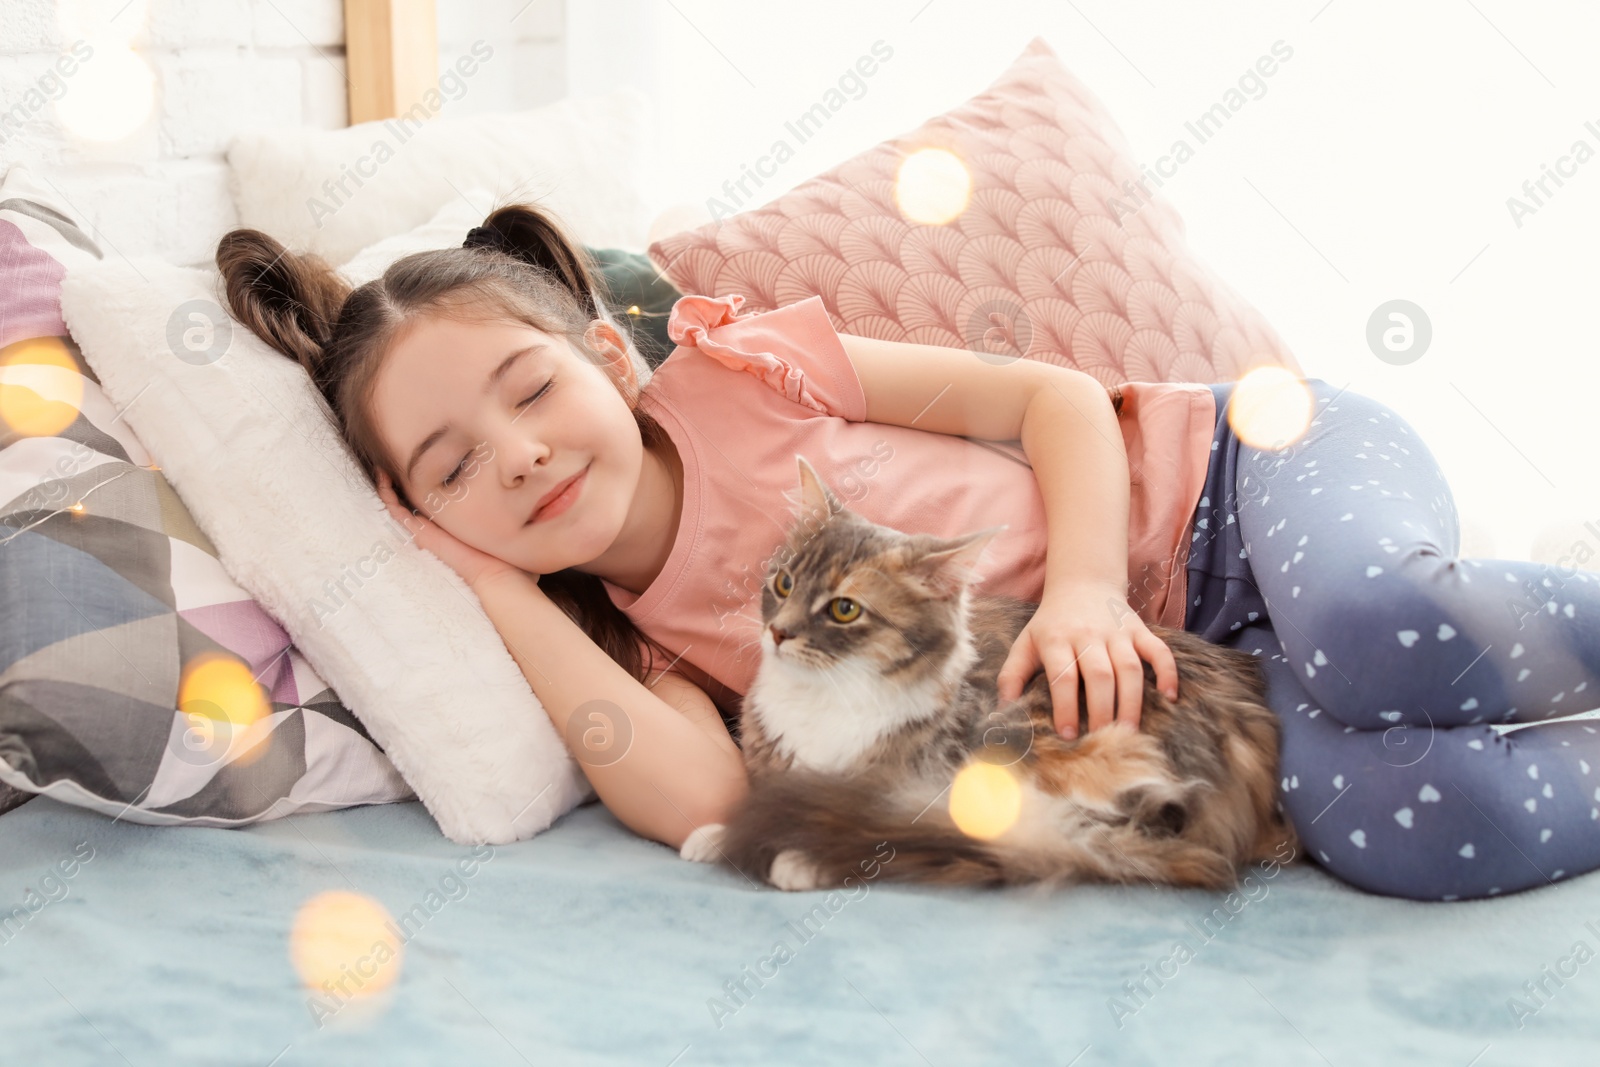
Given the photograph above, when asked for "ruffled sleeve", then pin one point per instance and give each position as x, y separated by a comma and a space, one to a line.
794, 349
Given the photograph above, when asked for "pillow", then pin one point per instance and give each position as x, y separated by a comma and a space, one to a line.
248, 442
636, 293
334, 192
12, 798
135, 677
1052, 258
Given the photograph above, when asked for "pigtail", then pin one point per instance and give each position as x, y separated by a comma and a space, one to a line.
290, 301
525, 232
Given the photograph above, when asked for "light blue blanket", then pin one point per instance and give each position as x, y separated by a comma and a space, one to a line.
590, 945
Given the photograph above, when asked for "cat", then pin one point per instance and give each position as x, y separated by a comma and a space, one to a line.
878, 683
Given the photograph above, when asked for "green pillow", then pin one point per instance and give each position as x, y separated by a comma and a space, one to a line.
638, 295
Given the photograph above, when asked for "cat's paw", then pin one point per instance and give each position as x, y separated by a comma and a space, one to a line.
791, 871
703, 845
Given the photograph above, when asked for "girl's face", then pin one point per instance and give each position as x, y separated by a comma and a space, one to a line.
482, 420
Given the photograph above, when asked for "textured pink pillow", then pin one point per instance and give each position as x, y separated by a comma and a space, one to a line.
1053, 258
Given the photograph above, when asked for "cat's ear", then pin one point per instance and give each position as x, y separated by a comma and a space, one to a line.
948, 565
814, 497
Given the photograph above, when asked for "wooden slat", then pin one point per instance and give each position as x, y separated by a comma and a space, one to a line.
391, 56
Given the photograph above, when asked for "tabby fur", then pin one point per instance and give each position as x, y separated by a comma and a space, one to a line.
853, 733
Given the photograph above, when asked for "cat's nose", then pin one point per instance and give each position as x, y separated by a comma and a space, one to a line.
779, 634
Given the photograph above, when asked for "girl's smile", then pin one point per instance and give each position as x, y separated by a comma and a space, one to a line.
562, 497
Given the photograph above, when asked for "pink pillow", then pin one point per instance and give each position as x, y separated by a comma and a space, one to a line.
1053, 257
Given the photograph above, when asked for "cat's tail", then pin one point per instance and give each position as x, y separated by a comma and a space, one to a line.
867, 828
861, 826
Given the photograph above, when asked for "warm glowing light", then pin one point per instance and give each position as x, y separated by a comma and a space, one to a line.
40, 387
345, 948
985, 800
933, 186
633, 309
77, 508
1270, 409
110, 95
222, 701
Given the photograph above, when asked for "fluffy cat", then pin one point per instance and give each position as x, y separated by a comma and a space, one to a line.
878, 684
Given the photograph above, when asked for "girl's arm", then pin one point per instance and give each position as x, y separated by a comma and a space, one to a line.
1063, 419
1070, 432
679, 770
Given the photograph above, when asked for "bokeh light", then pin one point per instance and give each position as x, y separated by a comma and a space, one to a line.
345, 948
1270, 409
985, 800
40, 387
118, 20
222, 701
932, 186
110, 95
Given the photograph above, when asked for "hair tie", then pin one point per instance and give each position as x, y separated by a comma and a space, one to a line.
485, 237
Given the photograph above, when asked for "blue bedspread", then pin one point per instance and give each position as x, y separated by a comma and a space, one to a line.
590, 945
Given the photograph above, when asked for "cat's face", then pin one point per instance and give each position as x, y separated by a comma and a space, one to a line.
846, 594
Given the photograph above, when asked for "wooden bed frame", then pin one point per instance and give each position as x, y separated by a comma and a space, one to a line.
391, 55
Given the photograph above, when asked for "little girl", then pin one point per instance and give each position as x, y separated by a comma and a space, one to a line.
600, 521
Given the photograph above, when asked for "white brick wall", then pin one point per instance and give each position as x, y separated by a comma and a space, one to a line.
223, 66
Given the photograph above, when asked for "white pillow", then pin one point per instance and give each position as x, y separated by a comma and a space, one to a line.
583, 158
446, 229
250, 447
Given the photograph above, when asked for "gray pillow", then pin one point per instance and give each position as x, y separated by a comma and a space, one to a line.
136, 677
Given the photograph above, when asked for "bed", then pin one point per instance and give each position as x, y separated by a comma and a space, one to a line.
590, 945
129, 943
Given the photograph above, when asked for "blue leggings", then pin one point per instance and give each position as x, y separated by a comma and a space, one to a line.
1388, 659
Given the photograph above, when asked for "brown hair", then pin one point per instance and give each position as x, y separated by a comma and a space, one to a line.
299, 306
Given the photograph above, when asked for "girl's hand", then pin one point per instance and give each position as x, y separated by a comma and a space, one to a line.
472, 565
1089, 630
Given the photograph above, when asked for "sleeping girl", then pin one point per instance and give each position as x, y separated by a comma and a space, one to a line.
617, 524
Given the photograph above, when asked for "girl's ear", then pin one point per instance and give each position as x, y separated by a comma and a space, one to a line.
607, 342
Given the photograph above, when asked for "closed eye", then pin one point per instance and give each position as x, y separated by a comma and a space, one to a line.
521, 405
542, 390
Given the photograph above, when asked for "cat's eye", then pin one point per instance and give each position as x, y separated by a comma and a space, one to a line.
843, 609
783, 584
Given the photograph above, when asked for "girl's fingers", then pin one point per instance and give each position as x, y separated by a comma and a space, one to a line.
1099, 686
1130, 683
1064, 697
1160, 656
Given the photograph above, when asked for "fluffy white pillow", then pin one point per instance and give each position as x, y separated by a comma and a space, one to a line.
333, 192
249, 444
446, 229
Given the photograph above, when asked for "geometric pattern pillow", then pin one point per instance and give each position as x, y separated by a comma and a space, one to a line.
1056, 254
136, 677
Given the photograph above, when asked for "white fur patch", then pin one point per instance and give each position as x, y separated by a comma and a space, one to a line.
793, 872
827, 720
703, 843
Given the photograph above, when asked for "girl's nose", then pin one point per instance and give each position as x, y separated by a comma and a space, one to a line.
519, 456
